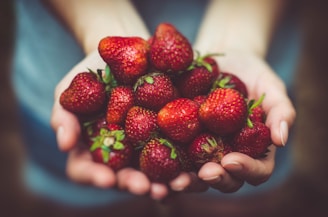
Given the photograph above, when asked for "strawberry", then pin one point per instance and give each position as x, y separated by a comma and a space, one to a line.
170, 51
199, 77
252, 141
86, 94
207, 147
255, 111
224, 111
127, 57
140, 125
111, 147
121, 99
229, 80
159, 160
154, 90
179, 120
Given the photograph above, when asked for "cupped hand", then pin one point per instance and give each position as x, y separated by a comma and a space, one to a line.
237, 168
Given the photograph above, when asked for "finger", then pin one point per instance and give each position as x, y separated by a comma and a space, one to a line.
254, 171
81, 169
218, 178
181, 182
66, 126
133, 181
278, 107
158, 191
196, 185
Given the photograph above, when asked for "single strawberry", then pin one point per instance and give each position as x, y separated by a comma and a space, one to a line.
140, 125
86, 94
159, 160
121, 99
224, 111
252, 141
207, 147
255, 111
154, 90
170, 51
127, 57
199, 77
179, 120
229, 80
111, 147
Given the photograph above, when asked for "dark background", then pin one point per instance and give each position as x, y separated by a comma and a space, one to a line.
304, 194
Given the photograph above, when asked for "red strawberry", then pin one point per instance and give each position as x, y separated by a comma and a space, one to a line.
224, 111
154, 90
140, 125
159, 160
255, 111
199, 78
170, 51
229, 80
179, 120
253, 141
121, 99
127, 57
112, 148
207, 147
85, 95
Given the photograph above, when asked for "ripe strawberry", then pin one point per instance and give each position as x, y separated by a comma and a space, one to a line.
111, 147
170, 51
255, 111
257, 115
121, 99
154, 90
229, 80
224, 111
86, 94
199, 77
252, 141
140, 125
127, 57
179, 120
159, 160
207, 147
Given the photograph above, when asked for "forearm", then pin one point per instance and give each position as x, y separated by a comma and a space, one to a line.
90, 21
245, 25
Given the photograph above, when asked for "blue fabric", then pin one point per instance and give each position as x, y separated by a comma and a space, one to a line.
45, 51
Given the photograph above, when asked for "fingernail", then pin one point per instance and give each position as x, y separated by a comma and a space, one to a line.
235, 166
213, 178
283, 132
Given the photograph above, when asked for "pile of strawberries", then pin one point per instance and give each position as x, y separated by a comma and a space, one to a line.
162, 108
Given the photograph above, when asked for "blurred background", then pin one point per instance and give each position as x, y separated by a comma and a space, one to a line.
305, 193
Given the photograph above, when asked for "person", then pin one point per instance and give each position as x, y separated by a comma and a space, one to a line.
56, 39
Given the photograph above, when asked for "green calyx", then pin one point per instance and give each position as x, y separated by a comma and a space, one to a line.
199, 61
106, 77
251, 105
108, 141
173, 154
209, 145
147, 78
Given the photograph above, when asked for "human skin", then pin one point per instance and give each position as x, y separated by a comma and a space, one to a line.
239, 29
